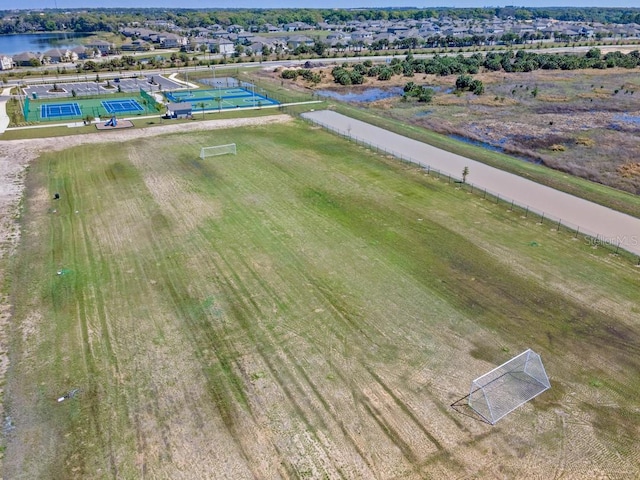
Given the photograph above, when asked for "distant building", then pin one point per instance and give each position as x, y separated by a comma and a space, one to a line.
26, 59
104, 48
6, 62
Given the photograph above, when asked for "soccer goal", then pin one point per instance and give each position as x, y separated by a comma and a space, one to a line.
218, 150
505, 388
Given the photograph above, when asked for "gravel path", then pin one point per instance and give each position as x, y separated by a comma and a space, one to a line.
603, 223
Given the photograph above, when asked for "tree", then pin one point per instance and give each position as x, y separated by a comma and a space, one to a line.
463, 82
319, 48
477, 87
201, 105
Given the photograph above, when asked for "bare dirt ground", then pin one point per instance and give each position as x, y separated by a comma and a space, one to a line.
15, 156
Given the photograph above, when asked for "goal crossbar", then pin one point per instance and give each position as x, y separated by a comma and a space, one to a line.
229, 148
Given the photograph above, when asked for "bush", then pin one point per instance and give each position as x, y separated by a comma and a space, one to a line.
289, 74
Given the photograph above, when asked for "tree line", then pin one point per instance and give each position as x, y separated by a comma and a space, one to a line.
111, 19
506, 61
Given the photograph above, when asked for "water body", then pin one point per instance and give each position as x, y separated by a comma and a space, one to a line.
39, 42
366, 95
494, 148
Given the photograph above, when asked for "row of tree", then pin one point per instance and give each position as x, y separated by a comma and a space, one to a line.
109, 20
506, 61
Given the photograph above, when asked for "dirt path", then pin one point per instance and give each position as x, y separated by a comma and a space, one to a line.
595, 220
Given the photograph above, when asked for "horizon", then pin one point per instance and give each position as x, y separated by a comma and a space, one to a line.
305, 4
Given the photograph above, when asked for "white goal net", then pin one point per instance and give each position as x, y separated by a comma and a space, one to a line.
505, 388
218, 150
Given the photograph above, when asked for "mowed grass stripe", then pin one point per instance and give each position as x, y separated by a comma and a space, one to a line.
304, 290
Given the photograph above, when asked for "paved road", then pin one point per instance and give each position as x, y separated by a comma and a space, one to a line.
609, 225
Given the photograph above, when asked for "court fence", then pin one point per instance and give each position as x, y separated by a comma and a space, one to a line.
87, 108
25, 109
615, 245
151, 102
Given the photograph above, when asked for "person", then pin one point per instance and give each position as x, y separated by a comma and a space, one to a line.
56, 196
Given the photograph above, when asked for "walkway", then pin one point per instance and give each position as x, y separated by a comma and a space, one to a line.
605, 224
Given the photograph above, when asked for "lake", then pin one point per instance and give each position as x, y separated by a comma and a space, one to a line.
38, 42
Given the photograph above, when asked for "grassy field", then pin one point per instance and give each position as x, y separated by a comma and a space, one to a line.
304, 309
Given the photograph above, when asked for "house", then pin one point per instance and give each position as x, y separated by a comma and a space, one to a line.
104, 48
55, 55
363, 36
221, 45
297, 40
138, 45
171, 40
235, 29
297, 26
6, 62
27, 59
79, 52
271, 28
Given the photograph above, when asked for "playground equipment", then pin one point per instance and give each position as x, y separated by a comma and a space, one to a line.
112, 122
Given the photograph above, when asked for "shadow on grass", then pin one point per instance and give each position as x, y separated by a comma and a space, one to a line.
462, 407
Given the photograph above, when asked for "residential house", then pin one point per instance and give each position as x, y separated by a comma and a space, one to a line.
26, 59
271, 28
298, 26
55, 55
171, 40
298, 40
6, 62
80, 53
102, 47
221, 45
235, 29
138, 45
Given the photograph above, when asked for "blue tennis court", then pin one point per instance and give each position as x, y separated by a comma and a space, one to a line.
125, 105
52, 110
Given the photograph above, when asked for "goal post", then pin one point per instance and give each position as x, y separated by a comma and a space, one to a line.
230, 148
507, 387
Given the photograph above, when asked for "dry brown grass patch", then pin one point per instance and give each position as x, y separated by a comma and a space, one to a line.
629, 169
585, 141
553, 98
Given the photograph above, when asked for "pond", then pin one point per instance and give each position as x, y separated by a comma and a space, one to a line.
493, 148
362, 95
39, 42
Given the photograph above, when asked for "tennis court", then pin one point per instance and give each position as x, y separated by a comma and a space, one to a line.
121, 106
221, 98
56, 110
47, 110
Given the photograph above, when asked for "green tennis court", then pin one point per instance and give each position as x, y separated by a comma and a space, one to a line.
221, 98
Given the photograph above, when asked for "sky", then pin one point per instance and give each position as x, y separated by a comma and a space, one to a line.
27, 4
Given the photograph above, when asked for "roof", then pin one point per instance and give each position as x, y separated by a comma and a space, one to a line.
180, 107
